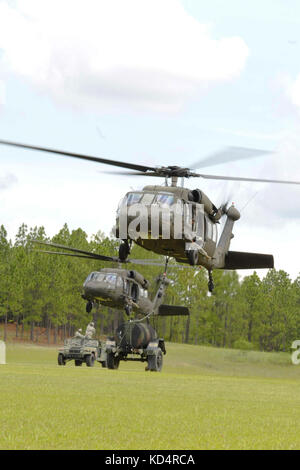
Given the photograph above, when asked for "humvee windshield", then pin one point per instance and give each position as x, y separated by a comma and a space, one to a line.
80, 342
73, 342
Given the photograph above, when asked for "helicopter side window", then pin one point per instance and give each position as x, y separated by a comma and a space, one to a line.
134, 292
126, 286
209, 228
143, 293
215, 233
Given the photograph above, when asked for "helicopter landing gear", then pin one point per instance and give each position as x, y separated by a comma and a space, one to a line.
211, 285
124, 250
192, 256
128, 309
89, 307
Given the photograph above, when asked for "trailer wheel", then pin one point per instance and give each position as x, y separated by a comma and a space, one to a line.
61, 360
155, 362
112, 362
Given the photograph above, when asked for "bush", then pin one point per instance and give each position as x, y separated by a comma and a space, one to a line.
243, 344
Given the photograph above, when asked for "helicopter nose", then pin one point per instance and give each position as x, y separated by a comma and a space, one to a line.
95, 289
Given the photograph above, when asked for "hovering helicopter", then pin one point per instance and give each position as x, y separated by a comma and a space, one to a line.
134, 339
120, 288
196, 245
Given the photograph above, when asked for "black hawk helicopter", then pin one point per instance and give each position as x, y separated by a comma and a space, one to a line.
193, 218
135, 339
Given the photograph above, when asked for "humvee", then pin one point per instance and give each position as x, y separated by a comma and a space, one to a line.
81, 350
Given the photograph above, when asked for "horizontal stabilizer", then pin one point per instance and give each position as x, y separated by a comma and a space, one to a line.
169, 310
244, 260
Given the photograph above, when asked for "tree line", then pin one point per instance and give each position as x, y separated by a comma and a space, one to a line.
39, 290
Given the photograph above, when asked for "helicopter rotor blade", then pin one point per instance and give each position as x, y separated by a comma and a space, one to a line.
153, 263
255, 180
129, 173
75, 252
66, 254
88, 254
130, 166
229, 154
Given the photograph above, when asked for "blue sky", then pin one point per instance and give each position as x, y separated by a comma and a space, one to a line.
168, 83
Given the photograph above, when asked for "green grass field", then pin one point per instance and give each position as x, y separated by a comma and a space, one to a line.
204, 398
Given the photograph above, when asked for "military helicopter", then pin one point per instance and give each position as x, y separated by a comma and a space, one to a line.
193, 238
127, 290
120, 288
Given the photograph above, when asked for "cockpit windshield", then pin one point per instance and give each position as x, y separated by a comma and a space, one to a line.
109, 278
164, 199
132, 198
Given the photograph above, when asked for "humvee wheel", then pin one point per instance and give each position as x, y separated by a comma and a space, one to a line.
112, 362
90, 360
61, 360
155, 362
78, 362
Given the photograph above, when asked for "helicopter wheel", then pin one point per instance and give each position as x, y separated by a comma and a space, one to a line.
128, 310
89, 306
193, 257
124, 251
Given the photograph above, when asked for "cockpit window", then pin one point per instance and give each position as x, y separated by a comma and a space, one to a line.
133, 198
165, 199
93, 276
147, 198
110, 278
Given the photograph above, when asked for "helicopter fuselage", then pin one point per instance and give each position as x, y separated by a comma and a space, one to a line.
117, 288
170, 220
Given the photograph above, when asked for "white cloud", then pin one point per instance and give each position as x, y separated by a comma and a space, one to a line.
146, 52
2, 93
293, 91
7, 181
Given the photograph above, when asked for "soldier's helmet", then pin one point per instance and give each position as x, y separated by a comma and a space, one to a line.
80, 329
92, 323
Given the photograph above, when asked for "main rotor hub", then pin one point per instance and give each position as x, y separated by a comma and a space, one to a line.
173, 171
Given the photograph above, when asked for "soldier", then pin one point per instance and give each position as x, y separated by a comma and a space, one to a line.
90, 330
79, 334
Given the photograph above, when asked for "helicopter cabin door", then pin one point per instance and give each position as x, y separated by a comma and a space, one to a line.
133, 290
211, 233
194, 222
